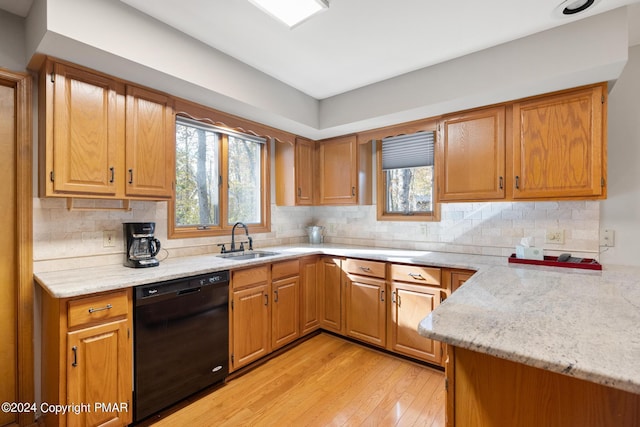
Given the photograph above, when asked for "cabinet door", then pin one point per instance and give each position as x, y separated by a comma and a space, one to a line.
409, 305
472, 156
309, 298
558, 145
304, 167
150, 148
458, 278
331, 295
338, 171
285, 315
366, 309
251, 326
87, 138
99, 371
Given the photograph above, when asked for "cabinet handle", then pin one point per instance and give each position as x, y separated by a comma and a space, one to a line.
276, 296
517, 182
299, 191
130, 176
266, 299
501, 183
106, 307
365, 269
399, 301
382, 295
416, 276
74, 349
353, 191
113, 174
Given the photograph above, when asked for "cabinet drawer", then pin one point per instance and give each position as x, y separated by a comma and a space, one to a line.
97, 309
250, 276
415, 274
365, 268
285, 269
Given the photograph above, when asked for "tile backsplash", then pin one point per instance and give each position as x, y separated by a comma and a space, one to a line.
64, 238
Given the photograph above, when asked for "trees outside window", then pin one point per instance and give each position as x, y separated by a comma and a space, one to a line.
220, 180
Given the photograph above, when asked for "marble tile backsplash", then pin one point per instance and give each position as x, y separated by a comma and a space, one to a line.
66, 238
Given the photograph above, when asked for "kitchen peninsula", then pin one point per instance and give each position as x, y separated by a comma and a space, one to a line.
532, 346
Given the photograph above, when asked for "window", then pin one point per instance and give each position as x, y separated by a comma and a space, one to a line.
406, 177
221, 177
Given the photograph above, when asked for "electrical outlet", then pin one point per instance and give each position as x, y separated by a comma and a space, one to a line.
607, 238
108, 239
555, 236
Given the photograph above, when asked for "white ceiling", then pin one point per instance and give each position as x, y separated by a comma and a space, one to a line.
357, 42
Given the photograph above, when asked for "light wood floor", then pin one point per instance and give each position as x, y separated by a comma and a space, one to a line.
325, 381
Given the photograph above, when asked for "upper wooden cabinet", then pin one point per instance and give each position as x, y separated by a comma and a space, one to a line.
548, 147
81, 143
559, 145
471, 153
150, 144
101, 139
296, 172
345, 171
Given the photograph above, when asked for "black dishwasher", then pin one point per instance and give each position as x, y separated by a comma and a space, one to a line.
181, 340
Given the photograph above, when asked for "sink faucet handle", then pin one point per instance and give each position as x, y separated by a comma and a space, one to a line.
223, 249
250, 243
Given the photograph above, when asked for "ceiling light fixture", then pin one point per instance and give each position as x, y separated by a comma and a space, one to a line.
291, 12
572, 7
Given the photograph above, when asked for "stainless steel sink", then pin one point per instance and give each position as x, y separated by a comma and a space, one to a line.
247, 255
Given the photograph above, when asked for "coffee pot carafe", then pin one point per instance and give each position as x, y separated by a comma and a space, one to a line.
140, 245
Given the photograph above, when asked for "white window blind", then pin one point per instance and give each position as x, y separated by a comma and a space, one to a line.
408, 151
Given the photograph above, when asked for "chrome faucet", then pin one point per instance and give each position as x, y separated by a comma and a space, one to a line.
233, 238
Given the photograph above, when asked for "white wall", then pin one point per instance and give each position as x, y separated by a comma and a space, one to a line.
12, 42
621, 211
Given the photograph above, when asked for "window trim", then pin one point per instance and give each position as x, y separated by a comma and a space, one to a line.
429, 125
208, 117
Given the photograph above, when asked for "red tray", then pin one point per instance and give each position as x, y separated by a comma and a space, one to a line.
552, 261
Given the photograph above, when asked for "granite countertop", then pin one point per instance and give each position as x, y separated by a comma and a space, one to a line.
580, 323
575, 322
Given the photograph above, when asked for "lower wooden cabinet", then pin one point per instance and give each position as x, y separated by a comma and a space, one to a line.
265, 310
409, 305
331, 295
309, 294
250, 330
87, 359
285, 313
484, 390
366, 307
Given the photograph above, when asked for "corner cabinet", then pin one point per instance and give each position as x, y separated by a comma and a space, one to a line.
345, 171
296, 172
100, 138
87, 358
559, 145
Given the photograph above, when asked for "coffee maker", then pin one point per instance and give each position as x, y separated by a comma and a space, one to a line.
140, 245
